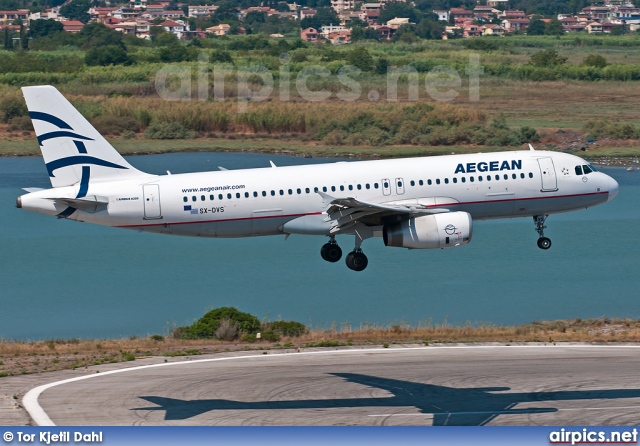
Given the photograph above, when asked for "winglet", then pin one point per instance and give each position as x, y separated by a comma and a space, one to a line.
531, 148
272, 163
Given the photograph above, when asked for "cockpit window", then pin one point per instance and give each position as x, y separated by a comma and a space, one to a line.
593, 168
587, 169
579, 170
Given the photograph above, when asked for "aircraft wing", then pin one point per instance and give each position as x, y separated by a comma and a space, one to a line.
346, 212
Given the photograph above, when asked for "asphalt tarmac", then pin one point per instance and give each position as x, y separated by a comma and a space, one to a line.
468, 385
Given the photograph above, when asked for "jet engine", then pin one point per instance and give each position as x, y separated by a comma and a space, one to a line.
430, 231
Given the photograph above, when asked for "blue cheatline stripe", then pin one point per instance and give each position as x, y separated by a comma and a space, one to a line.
84, 182
73, 160
46, 117
80, 146
61, 134
67, 212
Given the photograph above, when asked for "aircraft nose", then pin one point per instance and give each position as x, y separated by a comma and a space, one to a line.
613, 189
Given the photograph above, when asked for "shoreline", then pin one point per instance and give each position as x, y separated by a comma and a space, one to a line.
28, 357
602, 156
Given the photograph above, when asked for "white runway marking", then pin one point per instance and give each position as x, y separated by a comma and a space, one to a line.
497, 412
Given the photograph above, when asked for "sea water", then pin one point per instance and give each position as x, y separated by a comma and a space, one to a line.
64, 279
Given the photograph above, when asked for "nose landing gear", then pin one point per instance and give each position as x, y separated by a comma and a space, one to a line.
543, 242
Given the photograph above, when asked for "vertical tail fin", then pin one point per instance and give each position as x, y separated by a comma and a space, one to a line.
73, 150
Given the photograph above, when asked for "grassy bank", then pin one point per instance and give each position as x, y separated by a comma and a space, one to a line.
32, 357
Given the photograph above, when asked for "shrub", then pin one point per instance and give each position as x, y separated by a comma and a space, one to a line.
208, 324
270, 336
20, 123
167, 130
595, 60
285, 328
114, 125
12, 105
547, 58
360, 58
106, 55
227, 330
156, 337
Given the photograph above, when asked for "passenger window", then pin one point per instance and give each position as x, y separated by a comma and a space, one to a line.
399, 183
480, 178
185, 199
202, 198
464, 179
281, 192
438, 181
514, 176
429, 182
413, 183
246, 195
229, 196
307, 190
298, 191
421, 183
488, 177
471, 179
375, 185
351, 187
341, 188
273, 193
455, 180
238, 195
446, 181
359, 186
324, 188
530, 175
290, 192
368, 186
506, 177
497, 177
264, 193
386, 185
315, 189
194, 198
220, 196
521, 175
333, 188
255, 194
211, 197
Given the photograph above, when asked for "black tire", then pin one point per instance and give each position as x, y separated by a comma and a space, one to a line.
357, 261
544, 243
331, 252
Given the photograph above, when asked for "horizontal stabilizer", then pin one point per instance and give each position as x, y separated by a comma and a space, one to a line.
90, 203
32, 189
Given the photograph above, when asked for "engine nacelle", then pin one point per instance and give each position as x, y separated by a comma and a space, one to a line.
444, 230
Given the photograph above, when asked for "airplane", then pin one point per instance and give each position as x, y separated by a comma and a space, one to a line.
414, 203
449, 406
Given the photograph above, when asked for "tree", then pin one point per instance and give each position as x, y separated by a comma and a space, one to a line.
107, 55
553, 28
77, 10
595, 60
429, 29
536, 27
324, 16
547, 58
98, 34
360, 58
382, 66
618, 30
400, 10
43, 28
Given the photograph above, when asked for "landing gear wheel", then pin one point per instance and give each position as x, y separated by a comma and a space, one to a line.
331, 252
544, 243
356, 260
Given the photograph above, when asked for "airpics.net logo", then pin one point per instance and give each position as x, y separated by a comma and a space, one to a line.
590, 436
257, 83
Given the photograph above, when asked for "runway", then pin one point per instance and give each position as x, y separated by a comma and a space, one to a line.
476, 385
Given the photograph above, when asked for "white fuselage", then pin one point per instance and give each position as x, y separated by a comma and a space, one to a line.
279, 200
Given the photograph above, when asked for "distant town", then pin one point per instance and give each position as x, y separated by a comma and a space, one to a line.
343, 22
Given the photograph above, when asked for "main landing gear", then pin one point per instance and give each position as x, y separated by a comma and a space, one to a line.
543, 242
355, 260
